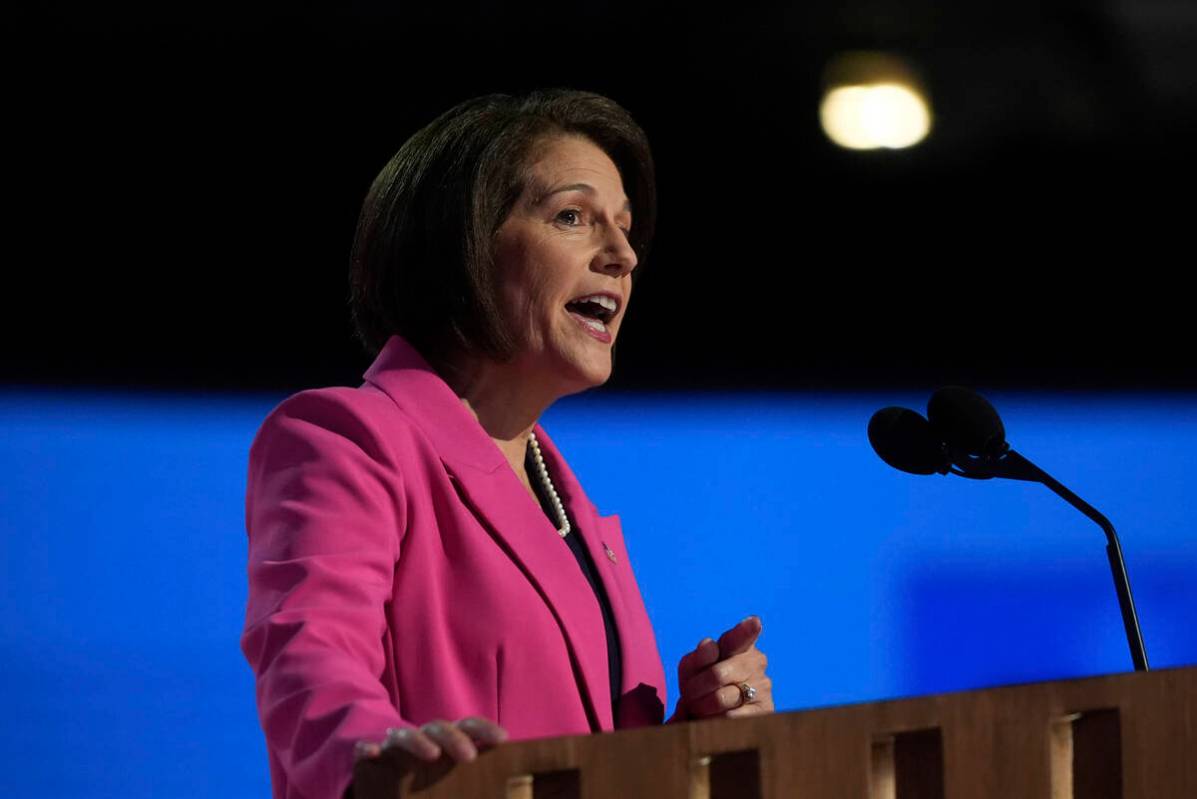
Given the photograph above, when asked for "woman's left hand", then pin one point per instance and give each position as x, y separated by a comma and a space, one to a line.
712, 678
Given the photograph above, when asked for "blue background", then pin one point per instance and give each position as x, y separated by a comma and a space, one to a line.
124, 561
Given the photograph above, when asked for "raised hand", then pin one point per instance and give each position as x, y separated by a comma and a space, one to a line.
725, 678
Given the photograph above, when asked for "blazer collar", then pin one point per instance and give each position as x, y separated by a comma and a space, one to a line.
403, 373
486, 482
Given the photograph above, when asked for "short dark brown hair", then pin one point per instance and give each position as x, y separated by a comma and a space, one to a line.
422, 262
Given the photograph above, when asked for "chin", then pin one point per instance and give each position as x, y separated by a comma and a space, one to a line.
601, 379
581, 363
590, 379
589, 375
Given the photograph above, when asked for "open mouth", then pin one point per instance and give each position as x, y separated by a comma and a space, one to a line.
594, 310
602, 307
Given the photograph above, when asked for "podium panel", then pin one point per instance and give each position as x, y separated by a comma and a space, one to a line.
1124, 736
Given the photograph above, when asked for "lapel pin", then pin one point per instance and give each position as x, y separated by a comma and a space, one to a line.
610, 554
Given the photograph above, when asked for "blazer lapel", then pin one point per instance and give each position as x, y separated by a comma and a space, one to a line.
502, 504
594, 532
487, 484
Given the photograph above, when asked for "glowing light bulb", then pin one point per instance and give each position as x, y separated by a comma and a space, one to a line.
879, 107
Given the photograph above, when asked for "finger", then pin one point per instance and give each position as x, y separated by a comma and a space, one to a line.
706, 653
484, 732
762, 699
729, 697
412, 740
762, 692
748, 666
716, 703
739, 638
455, 743
366, 749
751, 709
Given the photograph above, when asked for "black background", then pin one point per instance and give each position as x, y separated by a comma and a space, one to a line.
187, 179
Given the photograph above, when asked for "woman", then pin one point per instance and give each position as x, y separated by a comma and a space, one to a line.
425, 571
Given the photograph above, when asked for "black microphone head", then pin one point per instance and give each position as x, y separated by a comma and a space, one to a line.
966, 421
905, 440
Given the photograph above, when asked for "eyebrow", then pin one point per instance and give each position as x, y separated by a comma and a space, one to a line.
585, 188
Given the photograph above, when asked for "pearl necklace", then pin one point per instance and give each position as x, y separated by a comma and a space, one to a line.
542, 470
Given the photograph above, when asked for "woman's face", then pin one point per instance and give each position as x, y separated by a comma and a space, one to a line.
564, 241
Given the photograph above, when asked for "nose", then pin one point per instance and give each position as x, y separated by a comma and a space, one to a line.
618, 258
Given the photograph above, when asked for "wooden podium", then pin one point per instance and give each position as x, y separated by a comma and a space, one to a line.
1124, 736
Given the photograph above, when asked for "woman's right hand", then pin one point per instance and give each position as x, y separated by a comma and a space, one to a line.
461, 740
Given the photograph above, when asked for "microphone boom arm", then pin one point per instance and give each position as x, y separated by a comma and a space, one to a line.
1013, 466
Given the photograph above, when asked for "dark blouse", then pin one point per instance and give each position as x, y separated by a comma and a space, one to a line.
586, 564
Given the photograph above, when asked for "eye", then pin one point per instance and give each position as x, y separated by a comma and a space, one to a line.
574, 212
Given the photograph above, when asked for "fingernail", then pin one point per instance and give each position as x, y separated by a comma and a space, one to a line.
704, 642
750, 618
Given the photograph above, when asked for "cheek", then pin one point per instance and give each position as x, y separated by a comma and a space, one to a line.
529, 307
541, 294
516, 280
534, 280
530, 296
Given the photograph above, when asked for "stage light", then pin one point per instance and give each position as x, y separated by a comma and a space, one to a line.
873, 101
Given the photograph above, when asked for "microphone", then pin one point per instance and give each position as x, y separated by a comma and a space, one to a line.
964, 435
965, 420
905, 441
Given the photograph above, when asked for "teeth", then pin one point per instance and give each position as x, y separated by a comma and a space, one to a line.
602, 299
593, 324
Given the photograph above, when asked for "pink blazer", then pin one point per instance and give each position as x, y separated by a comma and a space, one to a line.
399, 572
